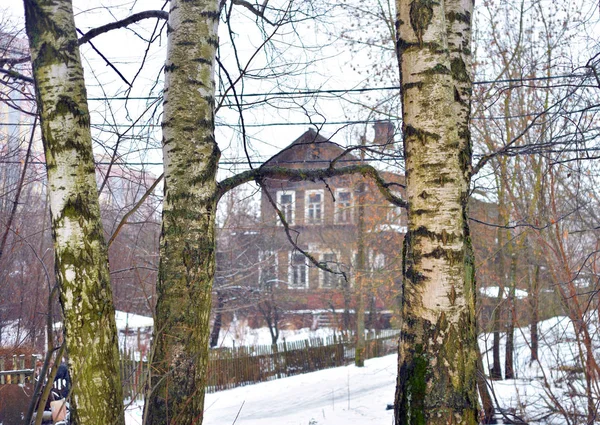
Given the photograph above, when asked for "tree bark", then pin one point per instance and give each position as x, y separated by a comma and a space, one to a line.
437, 379
359, 356
509, 372
216, 330
81, 259
187, 248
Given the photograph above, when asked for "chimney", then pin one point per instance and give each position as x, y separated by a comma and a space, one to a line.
384, 134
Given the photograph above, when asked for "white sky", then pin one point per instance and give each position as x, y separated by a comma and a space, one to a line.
126, 49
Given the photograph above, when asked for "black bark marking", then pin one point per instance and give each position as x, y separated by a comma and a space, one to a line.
421, 13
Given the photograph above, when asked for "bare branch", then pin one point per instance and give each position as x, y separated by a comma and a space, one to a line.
136, 17
123, 221
251, 8
258, 174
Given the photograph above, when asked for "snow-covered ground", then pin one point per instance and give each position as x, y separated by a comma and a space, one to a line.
341, 396
554, 383
350, 395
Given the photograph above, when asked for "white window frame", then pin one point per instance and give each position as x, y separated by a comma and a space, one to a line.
394, 214
333, 265
291, 283
290, 220
264, 256
307, 205
340, 208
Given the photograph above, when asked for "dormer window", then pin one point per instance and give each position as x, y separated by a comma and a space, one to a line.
343, 206
314, 206
286, 202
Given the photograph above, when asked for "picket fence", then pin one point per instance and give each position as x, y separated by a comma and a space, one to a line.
17, 369
239, 366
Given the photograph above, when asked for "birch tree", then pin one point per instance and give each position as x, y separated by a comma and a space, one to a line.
187, 248
438, 348
81, 261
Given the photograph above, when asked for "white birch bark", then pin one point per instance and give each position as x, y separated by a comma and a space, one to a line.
80, 251
187, 248
438, 351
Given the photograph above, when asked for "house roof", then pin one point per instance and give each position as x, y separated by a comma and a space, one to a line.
310, 150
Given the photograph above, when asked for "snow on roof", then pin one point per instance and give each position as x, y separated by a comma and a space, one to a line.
492, 292
132, 321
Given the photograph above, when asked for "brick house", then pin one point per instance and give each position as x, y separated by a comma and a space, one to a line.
322, 218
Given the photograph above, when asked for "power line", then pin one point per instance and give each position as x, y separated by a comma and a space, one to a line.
319, 124
340, 91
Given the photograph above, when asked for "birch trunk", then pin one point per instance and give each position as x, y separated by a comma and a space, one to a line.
437, 378
187, 248
81, 260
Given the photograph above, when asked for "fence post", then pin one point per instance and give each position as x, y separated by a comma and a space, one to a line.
22, 367
2, 379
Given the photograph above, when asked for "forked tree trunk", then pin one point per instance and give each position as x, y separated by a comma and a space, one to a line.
437, 379
187, 248
81, 260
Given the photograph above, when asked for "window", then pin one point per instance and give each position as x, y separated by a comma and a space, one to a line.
394, 214
328, 279
286, 202
377, 260
267, 269
343, 206
314, 206
298, 272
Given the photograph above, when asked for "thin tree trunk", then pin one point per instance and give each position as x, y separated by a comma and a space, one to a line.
187, 248
496, 369
81, 259
216, 330
534, 296
437, 379
359, 357
509, 372
484, 393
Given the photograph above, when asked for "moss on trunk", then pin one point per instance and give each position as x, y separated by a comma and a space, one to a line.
81, 258
187, 248
437, 377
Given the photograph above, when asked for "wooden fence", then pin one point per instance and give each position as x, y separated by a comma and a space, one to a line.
17, 369
235, 367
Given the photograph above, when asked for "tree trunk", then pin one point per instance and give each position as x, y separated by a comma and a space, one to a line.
187, 248
359, 357
534, 294
216, 330
437, 379
496, 369
509, 372
81, 260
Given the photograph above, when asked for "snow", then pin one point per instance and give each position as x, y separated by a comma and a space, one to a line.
353, 396
132, 321
492, 292
240, 334
341, 396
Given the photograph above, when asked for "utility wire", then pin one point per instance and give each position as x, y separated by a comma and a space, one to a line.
343, 91
312, 124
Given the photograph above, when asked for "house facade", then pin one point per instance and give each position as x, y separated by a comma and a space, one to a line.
322, 219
